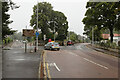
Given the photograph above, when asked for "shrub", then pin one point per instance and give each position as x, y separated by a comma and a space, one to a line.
108, 44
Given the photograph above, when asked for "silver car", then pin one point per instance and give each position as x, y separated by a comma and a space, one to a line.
52, 46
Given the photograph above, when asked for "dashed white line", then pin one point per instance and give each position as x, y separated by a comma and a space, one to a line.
95, 63
56, 66
73, 54
90, 61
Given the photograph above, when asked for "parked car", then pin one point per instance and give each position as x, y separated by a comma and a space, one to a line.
52, 46
69, 43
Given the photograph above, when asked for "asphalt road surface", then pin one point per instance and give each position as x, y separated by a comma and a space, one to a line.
79, 61
76, 61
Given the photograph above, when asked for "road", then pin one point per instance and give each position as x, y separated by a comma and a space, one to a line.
76, 61
79, 61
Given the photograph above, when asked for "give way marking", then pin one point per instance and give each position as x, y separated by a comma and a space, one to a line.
55, 65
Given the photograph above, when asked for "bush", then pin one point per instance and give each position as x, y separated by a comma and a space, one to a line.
108, 44
113, 45
7, 40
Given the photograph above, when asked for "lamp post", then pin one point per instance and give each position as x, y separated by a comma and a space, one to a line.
92, 36
36, 45
54, 32
54, 29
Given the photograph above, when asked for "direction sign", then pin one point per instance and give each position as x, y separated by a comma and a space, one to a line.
37, 34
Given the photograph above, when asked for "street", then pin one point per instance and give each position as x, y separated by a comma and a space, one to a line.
60, 39
78, 61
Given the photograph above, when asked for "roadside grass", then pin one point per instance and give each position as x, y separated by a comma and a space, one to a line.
109, 51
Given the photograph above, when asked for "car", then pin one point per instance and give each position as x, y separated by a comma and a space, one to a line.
52, 46
69, 43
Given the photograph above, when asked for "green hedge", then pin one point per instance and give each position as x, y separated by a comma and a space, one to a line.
108, 44
7, 40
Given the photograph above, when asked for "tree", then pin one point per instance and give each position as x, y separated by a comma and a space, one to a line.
5, 18
59, 22
102, 15
48, 19
44, 11
73, 36
117, 13
17, 35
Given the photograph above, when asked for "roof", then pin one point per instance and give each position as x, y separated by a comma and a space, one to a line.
106, 36
116, 35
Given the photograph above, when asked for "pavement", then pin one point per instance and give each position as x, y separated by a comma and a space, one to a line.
0, 62
80, 62
18, 64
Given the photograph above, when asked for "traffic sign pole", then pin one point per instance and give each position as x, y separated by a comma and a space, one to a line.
37, 26
36, 43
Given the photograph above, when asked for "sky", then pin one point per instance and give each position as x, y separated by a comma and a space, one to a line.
74, 10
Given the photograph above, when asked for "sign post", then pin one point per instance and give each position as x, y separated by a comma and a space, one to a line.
44, 37
28, 33
36, 44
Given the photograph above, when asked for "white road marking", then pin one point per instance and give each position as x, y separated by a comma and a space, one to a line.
73, 54
95, 63
51, 64
80, 48
56, 66
20, 59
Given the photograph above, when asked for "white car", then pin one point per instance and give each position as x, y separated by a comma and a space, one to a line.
52, 46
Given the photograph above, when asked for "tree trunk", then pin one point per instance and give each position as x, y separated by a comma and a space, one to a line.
111, 35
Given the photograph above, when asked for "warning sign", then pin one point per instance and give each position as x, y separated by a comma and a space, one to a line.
28, 32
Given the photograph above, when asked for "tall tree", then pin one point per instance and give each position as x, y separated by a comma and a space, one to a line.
44, 11
101, 14
48, 19
60, 24
5, 18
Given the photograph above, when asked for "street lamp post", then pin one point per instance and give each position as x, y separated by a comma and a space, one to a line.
36, 43
92, 36
54, 32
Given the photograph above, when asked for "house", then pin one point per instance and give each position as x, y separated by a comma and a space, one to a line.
116, 37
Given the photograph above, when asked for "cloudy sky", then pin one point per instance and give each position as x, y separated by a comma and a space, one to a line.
74, 10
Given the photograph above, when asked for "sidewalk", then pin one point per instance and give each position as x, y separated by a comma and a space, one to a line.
18, 64
0, 63
113, 53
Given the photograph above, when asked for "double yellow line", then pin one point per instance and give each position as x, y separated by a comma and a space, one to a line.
44, 71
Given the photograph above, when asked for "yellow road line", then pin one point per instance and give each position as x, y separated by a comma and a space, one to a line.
45, 77
48, 72
39, 70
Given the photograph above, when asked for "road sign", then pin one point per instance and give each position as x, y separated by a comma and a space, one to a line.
28, 32
37, 34
44, 37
